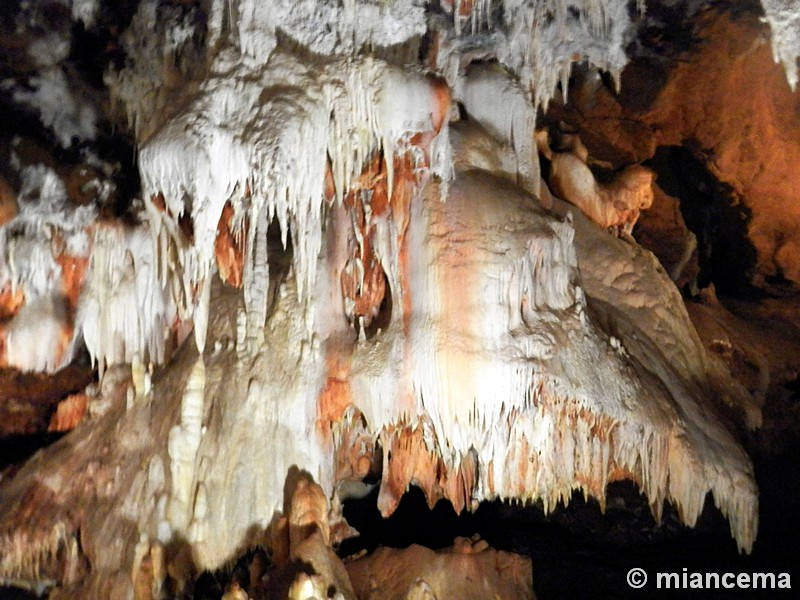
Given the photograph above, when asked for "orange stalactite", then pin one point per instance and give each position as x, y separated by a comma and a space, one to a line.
329, 190
379, 201
336, 395
405, 184
73, 275
458, 485
363, 280
159, 202
366, 291
333, 400
64, 343
10, 302
407, 460
443, 97
355, 452
228, 249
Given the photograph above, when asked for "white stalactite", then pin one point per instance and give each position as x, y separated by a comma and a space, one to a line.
125, 311
38, 337
256, 280
784, 22
237, 136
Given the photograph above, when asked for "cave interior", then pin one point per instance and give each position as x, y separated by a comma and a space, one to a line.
402, 299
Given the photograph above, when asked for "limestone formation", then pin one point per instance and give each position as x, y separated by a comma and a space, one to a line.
343, 271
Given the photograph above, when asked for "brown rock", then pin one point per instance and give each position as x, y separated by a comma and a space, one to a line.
8, 202
730, 102
663, 231
27, 400
417, 572
69, 412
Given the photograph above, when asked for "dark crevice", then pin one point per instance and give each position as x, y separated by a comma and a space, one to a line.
12, 593
17, 448
576, 551
714, 214
380, 322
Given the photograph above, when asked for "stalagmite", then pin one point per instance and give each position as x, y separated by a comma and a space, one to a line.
184, 440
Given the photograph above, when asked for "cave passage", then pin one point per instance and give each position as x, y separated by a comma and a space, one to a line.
711, 211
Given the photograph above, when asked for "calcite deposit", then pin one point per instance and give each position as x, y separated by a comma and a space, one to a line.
345, 266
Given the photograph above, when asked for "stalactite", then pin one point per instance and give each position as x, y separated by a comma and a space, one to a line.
784, 22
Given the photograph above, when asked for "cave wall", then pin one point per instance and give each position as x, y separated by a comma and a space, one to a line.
709, 83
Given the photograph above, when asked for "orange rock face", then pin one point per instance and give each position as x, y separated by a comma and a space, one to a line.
468, 570
734, 100
8, 202
10, 302
69, 413
35, 403
730, 103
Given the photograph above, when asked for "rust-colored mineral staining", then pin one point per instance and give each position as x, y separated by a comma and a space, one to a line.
69, 412
8, 202
30, 401
158, 201
73, 275
229, 248
335, 396
11, 300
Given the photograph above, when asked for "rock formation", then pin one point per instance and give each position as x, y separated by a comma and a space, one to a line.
342, 261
